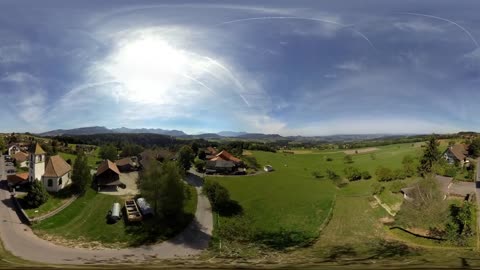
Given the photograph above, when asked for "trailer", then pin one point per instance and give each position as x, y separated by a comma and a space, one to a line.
131, 209
114, 214
144, 207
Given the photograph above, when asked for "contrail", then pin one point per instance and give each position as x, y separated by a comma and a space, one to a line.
350, 26
199, 82
445, 20
230, 74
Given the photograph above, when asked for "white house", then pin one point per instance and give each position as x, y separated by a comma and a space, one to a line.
55, 174
13, 149
456, 154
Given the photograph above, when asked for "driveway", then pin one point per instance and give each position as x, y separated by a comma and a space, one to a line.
22, 242
130, 181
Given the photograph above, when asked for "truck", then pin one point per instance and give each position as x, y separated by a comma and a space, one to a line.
131, 209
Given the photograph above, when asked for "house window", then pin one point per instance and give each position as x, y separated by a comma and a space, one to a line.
50, 182
60, 182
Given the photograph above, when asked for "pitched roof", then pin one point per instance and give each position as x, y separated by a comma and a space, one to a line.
227, 156
20, 157
211, 150
56, 167
107, 165
124, 161
17, 178
459, 151
37, 149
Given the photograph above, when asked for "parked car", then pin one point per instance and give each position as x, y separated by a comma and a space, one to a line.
145, 208
11, 171
115, 214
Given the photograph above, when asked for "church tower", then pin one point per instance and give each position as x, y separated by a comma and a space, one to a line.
37, 163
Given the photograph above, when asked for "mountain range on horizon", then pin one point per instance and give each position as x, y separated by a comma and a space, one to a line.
218, 135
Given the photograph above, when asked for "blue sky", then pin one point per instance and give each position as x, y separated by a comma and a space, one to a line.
287, 67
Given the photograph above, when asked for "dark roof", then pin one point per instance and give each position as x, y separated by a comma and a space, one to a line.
107, 165
220, 164
17, 178
56, 167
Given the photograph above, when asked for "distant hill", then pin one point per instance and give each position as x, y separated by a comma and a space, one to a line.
260, 136
231, 133
104, 130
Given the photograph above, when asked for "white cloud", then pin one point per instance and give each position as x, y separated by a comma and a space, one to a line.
350, 66
15, 52
418, 26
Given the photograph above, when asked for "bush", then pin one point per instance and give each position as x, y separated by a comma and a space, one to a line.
352, 174
316, 174
220, 199
199, 165
329, 159
37, 194
366, 175
332, 175
251, 162
450, 171
384, 174
396, 186
348, 159
399, 174
377, 188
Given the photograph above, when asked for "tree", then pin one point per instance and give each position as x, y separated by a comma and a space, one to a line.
195, 148
384, 174
37, 194
347, 159
202, 155
186, 157
2, 145
218, 195
108, 151
199, 165
366, 175
352, 174
80, 173
408, 163
131, 150
161, 185
474, 148
430, 158
331, 174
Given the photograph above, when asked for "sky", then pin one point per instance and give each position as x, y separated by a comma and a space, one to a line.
286, 67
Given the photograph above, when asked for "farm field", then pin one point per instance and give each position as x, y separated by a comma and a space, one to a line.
84, 223
92, 159
291, 199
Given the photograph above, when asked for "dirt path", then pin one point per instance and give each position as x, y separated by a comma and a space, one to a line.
22, 242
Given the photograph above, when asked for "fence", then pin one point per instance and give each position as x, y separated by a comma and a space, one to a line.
25, 218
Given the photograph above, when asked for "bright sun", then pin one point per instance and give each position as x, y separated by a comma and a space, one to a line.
154, 71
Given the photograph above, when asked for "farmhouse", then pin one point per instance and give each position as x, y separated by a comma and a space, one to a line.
456, 154
108, 175
127, 164
55, 174
223, 162
21, 159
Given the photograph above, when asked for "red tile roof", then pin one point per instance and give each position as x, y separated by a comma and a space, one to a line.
107, 165
20, 157
56, 167
226, 156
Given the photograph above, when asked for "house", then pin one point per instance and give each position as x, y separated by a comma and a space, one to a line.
13, 149
57, 174
268, 168
224, 155
210, 152
108, 175
219, 166
127, 164
456, 154
18, 179
21, 159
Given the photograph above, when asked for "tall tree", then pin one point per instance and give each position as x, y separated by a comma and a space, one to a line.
408, 163
37, 194
3, 146
186, 157
474, 148
81, 173
108, 151
431, 156
162, 186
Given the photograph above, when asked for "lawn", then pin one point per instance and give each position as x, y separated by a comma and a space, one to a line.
84, 221
290, 200
93, 159
54, 201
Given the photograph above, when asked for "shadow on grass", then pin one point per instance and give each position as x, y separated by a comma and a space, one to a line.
229, 209
152, 230
283, 238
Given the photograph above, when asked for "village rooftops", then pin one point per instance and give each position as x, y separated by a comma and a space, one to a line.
124, 161
18, 178
20, 157
56, 167
460, 151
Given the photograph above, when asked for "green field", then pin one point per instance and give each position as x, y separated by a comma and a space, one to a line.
84, 221
291, 200
93, 159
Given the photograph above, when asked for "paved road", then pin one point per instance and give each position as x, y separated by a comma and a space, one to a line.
22, 242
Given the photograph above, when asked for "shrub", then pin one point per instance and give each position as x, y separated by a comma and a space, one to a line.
220, 199
352, 174
399, 174
199, 164
348, 159
378, 188
384, 174
332, 175
366, 175
396, 186
329, 159
316, 174
450, 171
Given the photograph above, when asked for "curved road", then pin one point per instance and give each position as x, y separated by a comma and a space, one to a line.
22, 242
